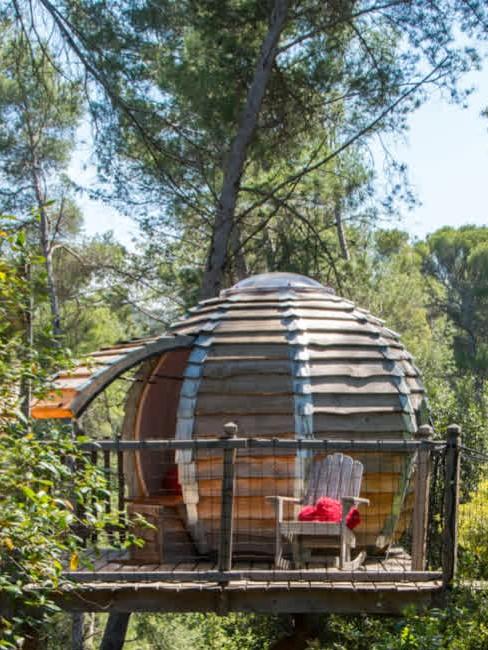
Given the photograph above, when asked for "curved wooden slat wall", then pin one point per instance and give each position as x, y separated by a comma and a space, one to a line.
156, 418
298, 363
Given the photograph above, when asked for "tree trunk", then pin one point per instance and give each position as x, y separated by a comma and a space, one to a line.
26, 383
239, 267
46, 252
115, 631
33, 640
77, 631
224, 218
341, 235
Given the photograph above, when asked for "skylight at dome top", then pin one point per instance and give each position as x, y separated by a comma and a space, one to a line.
277, 282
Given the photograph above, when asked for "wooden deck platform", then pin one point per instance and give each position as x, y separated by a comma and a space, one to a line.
382, 586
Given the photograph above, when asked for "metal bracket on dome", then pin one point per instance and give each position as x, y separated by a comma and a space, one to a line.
298, 340
299, 354
185, 422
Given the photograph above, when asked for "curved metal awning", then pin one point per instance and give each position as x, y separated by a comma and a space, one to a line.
73, 390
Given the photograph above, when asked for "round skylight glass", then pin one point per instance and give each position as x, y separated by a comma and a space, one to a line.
278, 282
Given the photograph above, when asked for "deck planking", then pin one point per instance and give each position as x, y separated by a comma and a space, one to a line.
112, 565
111, 582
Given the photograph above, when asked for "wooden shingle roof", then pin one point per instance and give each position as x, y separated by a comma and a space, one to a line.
277, 344
73, 390
283, 347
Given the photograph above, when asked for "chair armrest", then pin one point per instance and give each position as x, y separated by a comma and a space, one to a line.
355, 500
280, 498
278, 505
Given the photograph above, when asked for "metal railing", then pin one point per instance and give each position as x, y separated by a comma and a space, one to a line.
202, 510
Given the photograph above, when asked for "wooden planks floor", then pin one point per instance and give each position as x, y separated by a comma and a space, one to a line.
392, 571
111, 582
117, 563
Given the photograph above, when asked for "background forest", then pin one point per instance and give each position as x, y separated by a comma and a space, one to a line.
237, 135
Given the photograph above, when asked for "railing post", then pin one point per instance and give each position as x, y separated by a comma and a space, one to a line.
108, 478
227, 501
94, 462
421, 504
121, 491
451, 504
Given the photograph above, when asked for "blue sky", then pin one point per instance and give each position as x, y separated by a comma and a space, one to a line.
446, 151
447, 155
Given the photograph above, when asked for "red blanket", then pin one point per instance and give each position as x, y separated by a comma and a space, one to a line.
170, 483
329, 510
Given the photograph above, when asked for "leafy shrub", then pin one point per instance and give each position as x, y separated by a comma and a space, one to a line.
473, 533
203, 632
39, 491
38, 520
461, 625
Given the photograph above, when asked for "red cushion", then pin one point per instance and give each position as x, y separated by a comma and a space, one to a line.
308, 513
330, 510
170, 481
353, 518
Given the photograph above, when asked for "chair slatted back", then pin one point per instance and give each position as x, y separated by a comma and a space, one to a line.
335, 476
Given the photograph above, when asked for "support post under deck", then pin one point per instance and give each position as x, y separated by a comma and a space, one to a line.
77, 631
115, 631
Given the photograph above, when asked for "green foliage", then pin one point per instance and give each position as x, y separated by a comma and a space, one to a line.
461, 625
458, 260
473, 533
202, 631
19, 361
40, 521
385, 276
458, 399
175, 77
39, 492
39, 111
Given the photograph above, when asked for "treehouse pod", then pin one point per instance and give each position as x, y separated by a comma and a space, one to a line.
281, 356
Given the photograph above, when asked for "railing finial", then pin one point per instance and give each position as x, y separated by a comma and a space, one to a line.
230, 429
424, 432
453, 432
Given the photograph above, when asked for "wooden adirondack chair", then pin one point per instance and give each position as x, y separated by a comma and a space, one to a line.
338, 477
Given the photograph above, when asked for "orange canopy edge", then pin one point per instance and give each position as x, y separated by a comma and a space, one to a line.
74, 389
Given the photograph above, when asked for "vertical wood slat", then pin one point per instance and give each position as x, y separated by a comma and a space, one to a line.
332, 489
451, 504
313, 481
421, 502
121, 492
323, 478
356, 479
227, 502
345, 478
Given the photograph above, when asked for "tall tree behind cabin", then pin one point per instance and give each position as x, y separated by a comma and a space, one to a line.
39, 111
212, 115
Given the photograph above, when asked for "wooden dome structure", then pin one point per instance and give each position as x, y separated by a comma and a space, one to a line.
282, 356
310, 380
